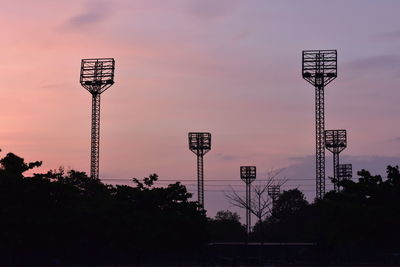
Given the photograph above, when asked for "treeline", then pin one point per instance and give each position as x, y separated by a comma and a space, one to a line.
361, 222
66, 217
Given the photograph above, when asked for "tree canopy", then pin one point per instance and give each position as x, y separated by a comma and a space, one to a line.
66, 217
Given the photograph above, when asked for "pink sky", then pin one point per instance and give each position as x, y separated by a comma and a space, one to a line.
228, 67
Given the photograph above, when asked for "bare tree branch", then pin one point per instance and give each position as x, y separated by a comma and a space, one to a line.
260, 204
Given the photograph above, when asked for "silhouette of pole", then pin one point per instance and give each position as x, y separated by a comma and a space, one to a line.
319, 68
345, 171
335, 142
200, 178
96, 76
200, 144
273, 191
95, 137
248, 175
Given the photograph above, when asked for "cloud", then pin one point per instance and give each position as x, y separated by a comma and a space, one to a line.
305, 166
224, 157
211, 9
86, 18
390, 35
381, 62
94, 13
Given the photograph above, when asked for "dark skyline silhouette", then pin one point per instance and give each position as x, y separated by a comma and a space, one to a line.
69, 218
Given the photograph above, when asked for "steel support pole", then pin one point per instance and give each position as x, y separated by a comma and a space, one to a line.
95, 137
249, 207
336, 171
320, 143
200, 178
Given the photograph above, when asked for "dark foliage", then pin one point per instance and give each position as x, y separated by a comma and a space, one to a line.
66, 217
226, 227
61, 217
361, 221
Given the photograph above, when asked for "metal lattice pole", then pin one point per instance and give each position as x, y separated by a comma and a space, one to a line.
96, 76
345, 171
335, 170
320, 147
274, 191
248, 201
200, 178
335, 142
95, 137
319, 68
248, 174
200, 144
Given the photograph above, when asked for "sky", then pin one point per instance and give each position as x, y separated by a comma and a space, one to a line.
228, 67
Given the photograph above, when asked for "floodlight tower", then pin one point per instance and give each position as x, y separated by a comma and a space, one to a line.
319, 68
335, 142
200, 144
273, 191
97, 75
345, 171
248, 175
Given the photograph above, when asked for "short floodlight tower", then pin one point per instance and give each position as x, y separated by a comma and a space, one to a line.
335, 142
273, 191
345, 171
200, 144
97, 75
319, 68
248, 174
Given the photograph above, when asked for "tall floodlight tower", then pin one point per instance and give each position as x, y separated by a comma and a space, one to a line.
248, 175
273, 191
319, 69
335, 142
345, 171
200, 144
97, 75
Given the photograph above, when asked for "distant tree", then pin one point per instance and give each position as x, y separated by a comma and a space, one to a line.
227, 215
283, 221
288, 204
393, 175
12, 167
226, 227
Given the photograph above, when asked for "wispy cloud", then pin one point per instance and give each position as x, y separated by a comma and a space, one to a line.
390, 35
305, 166
225, 157
86, 18
381, 62
211, 9
95, 12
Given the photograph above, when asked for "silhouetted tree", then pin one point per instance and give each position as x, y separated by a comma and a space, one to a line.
226, 227
66, 217
288, 204
226, 215
261, 203
283, 221
12, 167
70, 218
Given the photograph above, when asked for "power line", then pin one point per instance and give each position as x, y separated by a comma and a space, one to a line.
211, 180
208, 180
